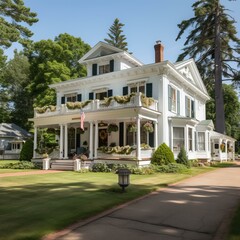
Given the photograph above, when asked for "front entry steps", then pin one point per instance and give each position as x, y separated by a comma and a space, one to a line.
62, 165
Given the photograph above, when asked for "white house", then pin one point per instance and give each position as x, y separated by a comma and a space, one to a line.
120, 90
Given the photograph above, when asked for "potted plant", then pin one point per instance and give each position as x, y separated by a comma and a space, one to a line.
112, 128
148, 127
132, 127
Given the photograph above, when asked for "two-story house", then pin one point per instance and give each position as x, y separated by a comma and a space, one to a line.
121, 91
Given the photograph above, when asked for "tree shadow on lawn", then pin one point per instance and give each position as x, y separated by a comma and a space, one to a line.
31, 211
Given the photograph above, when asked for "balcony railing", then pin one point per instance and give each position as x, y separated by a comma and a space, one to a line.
94, 105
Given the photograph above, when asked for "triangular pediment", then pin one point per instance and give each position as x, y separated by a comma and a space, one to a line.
190, 71
100, 50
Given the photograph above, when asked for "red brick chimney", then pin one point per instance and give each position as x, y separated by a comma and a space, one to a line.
158, 51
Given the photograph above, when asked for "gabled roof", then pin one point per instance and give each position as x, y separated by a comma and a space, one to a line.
102, 49
189, 69
12, 130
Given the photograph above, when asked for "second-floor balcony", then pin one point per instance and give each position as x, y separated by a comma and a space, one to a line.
114, 102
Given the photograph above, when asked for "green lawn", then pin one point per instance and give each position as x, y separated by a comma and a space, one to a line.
234, 231
35, 205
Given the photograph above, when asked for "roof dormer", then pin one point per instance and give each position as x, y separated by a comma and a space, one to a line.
104, 58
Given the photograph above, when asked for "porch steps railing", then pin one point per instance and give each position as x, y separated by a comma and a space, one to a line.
62, 165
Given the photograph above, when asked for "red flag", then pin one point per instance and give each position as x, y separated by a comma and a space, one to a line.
82, 114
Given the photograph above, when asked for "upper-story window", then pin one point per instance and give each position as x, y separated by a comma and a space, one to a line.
104, 69
189, 107
173, 99
100, 95
71, 98
138, 87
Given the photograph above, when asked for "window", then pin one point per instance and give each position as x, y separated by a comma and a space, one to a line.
101, 95
201, 141
189, 106
104, 69
190, 139
138, 87
178, 138
173, 99
71, 98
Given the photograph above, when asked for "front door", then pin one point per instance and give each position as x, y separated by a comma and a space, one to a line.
102, 137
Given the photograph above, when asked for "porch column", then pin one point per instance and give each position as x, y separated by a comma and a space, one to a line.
155, 135
138, 139
35, 142
96, 140
61, 142
91, 141
66, 142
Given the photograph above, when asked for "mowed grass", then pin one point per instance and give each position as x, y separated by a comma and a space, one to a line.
35, 205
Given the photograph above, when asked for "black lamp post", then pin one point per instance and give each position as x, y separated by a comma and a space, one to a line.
123, 178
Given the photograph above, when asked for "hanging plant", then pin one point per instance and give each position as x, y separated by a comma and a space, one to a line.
112, 128
50, 108
132, 127
148, 127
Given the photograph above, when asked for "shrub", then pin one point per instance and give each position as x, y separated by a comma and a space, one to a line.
19, 165
171, 168
26, 153
163, 155
102, 167
142, 171
183, 158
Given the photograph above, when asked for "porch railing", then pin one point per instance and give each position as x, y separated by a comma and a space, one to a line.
95, 105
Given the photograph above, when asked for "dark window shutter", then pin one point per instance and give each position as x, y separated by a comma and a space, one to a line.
63, 100
79, 97
91, 96
169, 98
112, 66
192, 109
94, 69
178, 102
125, 90
149, 90
121, 133
110, 92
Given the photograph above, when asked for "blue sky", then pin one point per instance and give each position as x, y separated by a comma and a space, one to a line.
145, 22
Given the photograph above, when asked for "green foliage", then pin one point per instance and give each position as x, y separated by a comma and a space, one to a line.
116, 38
182, 157
26, 153
172, 168
19, 165
103, 167
54, 61
16, 80
12, 14
231, 108
163, 155
200, 40
117, 149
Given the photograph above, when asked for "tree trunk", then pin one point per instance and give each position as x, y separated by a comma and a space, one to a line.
220, 119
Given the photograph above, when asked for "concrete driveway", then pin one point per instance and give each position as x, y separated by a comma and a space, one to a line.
198, 208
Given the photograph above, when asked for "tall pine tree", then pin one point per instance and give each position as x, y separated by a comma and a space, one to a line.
212, 43
116, 38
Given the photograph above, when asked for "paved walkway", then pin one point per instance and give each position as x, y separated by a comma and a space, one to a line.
195, 209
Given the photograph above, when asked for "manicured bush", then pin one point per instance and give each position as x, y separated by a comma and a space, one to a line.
19, 165
26, 153
163, 155
100, 167
142, 170
182, 157
171, 168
